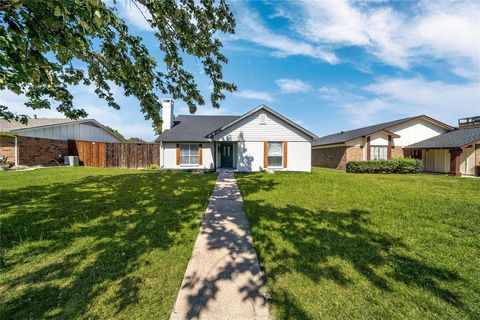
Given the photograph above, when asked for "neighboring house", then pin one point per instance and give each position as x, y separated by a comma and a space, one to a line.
456, 152
43, 140
261, 139
381, 141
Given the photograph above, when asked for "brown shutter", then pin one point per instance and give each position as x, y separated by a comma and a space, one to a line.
285, 153
389, 148
178, 154
200, 152
265, 155
368, 148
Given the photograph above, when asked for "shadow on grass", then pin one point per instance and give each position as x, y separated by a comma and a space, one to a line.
91, 234
292, 239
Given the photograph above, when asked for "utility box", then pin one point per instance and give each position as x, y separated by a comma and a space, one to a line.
71, 161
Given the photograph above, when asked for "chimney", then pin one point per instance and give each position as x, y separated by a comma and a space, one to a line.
472, 122
167, 114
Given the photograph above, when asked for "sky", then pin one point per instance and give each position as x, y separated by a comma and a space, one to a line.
328, 65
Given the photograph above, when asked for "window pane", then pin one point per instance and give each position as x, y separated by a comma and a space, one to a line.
274, 148
184, 149
184, 160
194, 160
274, 161
194, 150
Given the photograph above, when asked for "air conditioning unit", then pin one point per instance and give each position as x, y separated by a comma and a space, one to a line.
71, 161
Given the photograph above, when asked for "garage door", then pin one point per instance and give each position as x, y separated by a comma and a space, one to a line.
437, 161
467, 162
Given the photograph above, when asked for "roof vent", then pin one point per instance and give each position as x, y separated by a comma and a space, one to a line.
341, 132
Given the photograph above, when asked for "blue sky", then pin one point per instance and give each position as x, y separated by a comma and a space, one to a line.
329, 65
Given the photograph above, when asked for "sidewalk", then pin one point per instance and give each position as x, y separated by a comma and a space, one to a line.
223, 279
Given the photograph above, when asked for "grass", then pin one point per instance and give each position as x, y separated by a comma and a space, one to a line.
96, 243
351, 246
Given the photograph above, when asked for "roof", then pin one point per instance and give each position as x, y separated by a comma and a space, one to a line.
271, 111
194, 128
7, 126
344, 136
15, 126
452, 139
200, 128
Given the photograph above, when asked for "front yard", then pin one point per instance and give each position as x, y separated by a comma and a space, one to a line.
350, 246
96, 243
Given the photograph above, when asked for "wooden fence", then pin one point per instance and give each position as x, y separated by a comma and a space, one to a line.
115, 155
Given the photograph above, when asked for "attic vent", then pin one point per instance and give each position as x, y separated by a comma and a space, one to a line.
262, 119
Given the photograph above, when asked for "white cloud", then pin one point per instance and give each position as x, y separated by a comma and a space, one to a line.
250, 28
136, 14
255, 95
444, 30
292, 85
398, 97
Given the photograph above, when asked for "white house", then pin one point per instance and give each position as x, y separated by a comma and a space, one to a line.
261, 139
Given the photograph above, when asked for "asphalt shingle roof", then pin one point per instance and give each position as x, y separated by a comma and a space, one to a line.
345, 136
452, 139
7, 126
194, 128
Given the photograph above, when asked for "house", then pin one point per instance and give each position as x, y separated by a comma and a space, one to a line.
455, 152
43, 140
381, 141
261, 139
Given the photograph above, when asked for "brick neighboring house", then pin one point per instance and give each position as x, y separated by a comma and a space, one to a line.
381, 141
43, 140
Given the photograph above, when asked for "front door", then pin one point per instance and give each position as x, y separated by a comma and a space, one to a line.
226, 155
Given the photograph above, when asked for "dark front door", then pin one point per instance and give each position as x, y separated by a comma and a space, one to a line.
226, 155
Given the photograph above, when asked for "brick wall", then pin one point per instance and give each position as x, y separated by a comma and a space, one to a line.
33, 151
335, 158
7, 148
398, 152
39, 151
354, 154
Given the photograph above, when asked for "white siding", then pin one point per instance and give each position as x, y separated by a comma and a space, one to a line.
379, 139
168, 157
78, 131
415, 131
437, 161
299, 156
467, 162
250, 129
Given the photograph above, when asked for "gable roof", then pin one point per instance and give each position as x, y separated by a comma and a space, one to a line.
344, 136
193, 128
271, 111
453, 139
16, 126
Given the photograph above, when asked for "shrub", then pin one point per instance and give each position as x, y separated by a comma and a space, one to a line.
407, 165
153, 166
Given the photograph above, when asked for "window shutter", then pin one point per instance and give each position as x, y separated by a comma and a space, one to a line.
178, 154
285, 144
265, 155
200, 154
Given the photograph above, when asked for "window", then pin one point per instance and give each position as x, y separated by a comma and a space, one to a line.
275, 154
378, 153
189, 154
263, 118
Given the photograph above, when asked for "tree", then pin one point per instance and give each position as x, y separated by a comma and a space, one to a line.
41, 41
135, 140
115, 131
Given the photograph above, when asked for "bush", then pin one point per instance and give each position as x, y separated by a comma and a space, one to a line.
153, 166
407, 165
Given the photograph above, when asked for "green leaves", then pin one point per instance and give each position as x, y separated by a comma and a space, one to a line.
41, 41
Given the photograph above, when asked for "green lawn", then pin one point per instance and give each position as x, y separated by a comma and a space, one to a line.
96, 243
350, 246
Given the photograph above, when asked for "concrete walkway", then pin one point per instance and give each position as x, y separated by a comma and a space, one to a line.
223, 278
